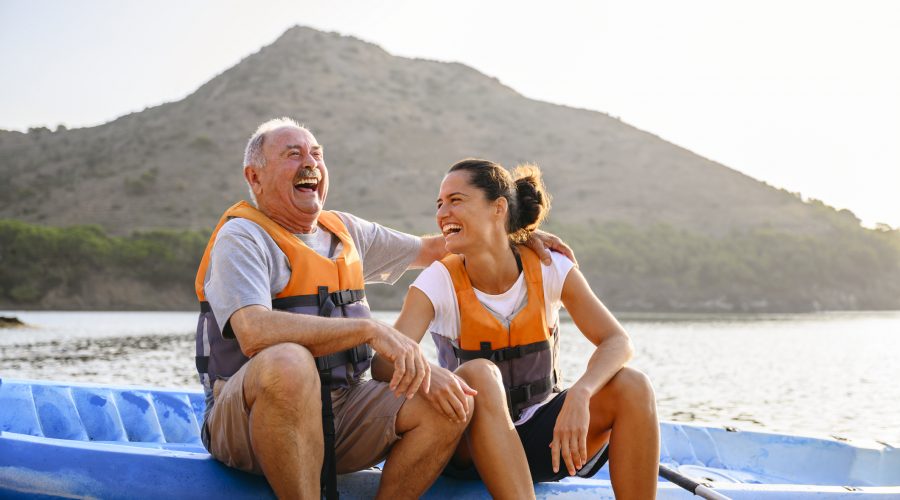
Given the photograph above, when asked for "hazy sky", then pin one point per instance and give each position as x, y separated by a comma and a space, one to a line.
804, 95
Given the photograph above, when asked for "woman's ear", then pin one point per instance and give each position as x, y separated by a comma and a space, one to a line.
501, 207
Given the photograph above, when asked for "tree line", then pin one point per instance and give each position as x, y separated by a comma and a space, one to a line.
658, 268
36, 261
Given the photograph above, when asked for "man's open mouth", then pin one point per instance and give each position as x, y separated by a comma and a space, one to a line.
448, 229
307, 185
308, 180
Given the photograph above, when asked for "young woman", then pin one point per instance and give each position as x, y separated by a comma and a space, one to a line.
493, 310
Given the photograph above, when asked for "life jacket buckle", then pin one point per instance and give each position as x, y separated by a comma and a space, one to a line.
342, 297
507, 354
527, 388
356, 357
519, 394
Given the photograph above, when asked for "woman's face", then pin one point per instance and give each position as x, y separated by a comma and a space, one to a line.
465, 217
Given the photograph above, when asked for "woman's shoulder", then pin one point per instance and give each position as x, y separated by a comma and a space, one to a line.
560, 265
432, 276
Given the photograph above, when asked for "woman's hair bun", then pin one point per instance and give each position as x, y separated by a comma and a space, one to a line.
532, 200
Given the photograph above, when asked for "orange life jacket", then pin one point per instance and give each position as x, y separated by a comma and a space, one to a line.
317, 286
525, 350
342, 273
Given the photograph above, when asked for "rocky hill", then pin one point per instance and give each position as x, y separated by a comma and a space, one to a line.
391, 126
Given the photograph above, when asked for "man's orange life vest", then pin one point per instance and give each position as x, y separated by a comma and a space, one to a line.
317, 286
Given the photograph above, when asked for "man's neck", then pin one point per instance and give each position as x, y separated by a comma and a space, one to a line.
302, 224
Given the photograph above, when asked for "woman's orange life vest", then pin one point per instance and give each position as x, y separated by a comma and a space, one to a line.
525, 350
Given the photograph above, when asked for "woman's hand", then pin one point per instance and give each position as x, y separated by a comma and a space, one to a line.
570, 432
448, 393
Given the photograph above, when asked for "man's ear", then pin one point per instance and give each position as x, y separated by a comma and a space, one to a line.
252, 177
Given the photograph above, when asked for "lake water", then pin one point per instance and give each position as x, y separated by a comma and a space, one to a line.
825, 373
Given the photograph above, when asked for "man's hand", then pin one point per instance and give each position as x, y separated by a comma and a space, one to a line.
411, 370
542, 242
570, 432
448, 394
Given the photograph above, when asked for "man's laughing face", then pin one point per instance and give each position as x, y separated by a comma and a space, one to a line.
291, 188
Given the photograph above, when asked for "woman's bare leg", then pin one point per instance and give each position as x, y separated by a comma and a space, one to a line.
624, 412
492, 441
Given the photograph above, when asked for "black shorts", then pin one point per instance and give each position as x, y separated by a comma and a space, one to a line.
536, 435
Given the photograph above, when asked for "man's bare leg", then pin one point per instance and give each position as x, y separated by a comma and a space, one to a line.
491, 438
416, 460
626, 405
282, 392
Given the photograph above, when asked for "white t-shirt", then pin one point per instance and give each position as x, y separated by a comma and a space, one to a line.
436, 284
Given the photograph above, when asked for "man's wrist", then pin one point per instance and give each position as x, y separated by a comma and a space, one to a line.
369, 331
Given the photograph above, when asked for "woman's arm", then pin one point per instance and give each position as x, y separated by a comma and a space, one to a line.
613, 350
447, 392
593, 319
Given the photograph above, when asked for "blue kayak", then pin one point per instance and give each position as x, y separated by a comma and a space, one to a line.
100, 441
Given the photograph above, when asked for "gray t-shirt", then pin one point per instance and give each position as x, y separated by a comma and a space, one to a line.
247, 268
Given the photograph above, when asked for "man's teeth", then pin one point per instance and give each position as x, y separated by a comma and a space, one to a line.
451, 228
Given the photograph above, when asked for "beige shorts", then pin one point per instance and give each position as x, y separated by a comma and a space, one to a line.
365, 417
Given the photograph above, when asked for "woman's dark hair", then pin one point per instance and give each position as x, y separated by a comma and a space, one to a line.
524, 190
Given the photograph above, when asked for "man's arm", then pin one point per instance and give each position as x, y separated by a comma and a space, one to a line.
434, 248
256, 327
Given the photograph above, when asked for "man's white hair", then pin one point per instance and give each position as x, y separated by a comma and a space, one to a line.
253, 153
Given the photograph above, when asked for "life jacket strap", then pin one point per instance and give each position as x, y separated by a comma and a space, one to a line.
355, 355
328, 478
202, 363
339, 298
504, 354
515, 396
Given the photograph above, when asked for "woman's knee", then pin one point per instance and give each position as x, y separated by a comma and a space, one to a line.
470, 407
632, 385
479, 372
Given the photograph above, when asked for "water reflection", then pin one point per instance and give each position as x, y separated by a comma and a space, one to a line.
158, 360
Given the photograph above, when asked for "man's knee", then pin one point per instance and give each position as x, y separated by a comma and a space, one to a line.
283, 372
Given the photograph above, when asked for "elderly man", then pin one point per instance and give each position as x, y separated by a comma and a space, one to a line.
270, 373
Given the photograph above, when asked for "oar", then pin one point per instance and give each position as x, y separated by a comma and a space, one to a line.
690, 485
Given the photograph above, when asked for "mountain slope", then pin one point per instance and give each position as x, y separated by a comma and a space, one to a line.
391, 127
656, 227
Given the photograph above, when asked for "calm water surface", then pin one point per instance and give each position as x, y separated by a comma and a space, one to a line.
825, 373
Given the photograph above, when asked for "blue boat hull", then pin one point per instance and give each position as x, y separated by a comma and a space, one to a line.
93, 441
